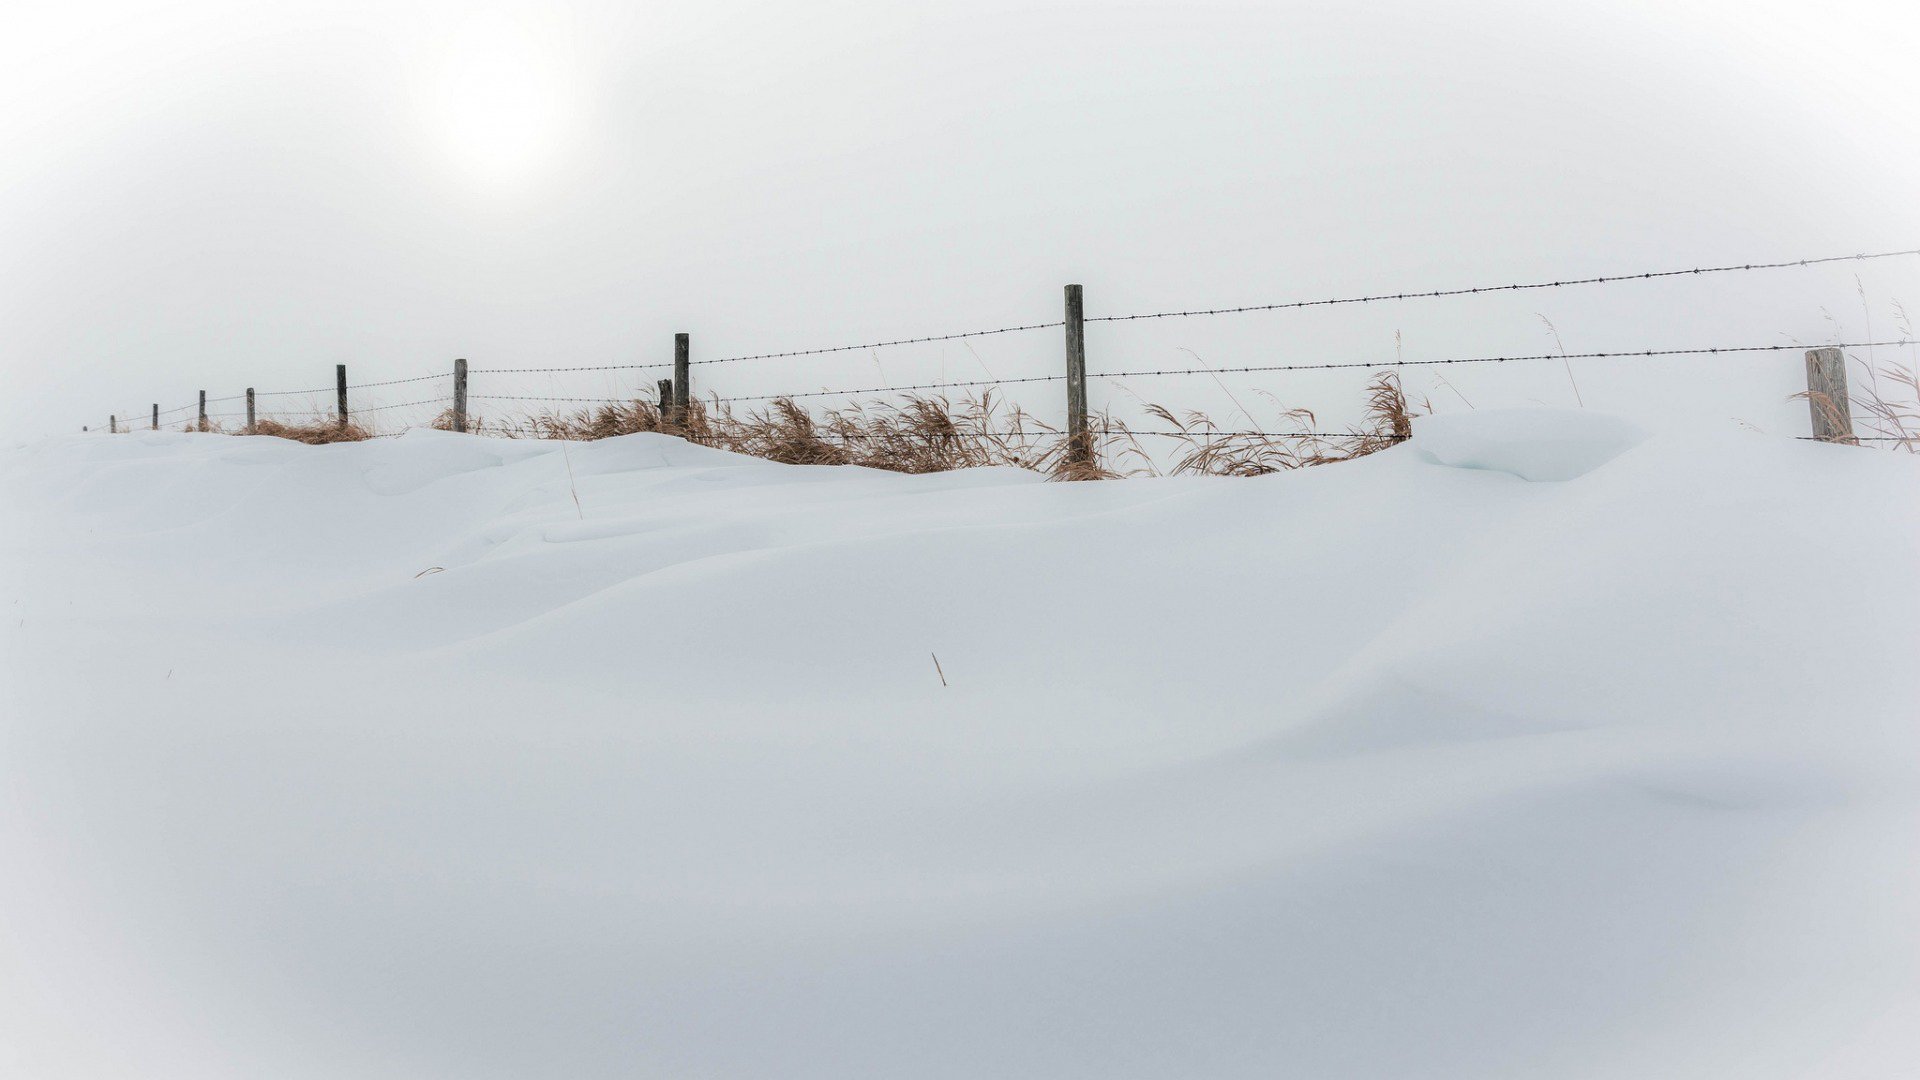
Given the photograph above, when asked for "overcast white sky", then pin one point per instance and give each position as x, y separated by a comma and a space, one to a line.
220, 195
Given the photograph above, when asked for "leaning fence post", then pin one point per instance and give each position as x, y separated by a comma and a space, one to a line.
156, 416
1827, 395
1079, 442
682, 378
340, 390
250, 421
202, 425
459, 395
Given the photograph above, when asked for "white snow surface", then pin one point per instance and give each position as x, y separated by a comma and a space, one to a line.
391, 760
1532, 444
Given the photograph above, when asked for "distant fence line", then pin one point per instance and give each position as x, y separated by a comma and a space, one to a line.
1826, 393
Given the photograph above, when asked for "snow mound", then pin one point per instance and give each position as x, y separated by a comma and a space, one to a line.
1532, 444
493, 759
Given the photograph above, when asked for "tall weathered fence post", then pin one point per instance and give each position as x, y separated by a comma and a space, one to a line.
1079, 442
113, 425
459, 395
682, 379
251, 425
1827, 395
340, 390
201, 425
156, 416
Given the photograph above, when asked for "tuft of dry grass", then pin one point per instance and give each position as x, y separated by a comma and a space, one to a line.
1894, 419
313, 433
1204, 449
1887, 401
914, 434
1888, 406
603, 422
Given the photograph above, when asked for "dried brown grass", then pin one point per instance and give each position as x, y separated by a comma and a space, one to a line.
314, 432
1887, 402
912, 434
1890, 406
917, 433
1203, 448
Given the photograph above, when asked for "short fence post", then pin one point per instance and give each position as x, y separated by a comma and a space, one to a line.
250, 421
1079, 442
202, 426
666, 397
459, 395
340, 390
156, 416
682, 378
1827, 395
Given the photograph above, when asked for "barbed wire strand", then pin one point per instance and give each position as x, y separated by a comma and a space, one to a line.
295, 393
889, 389
589, 400
399, 405
881, 344
1473, 290
1480, 359
593, 367
398, 382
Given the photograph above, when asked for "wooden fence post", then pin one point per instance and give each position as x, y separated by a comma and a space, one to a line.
156, 416
202, 425
251, 426
666, 397
113, 425
340, 390
1079, 442
459, 395
682, 380
1827, 395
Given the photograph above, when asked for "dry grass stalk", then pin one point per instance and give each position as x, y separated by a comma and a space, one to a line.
1831, 417
1207, 450
915, 434
1891, 415
601, 422
1888, 403
314, 432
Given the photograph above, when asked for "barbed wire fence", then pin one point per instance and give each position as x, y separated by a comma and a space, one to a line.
1827, 389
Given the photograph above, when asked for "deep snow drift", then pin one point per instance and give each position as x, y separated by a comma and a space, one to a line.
387, 760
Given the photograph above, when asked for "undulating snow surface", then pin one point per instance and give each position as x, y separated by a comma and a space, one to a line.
394, 760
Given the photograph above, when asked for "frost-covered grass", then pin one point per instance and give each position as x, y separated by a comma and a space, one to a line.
1532, 747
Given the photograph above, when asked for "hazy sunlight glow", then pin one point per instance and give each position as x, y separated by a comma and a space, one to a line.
500, 101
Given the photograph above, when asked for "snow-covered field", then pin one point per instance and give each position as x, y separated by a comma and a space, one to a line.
402, 760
